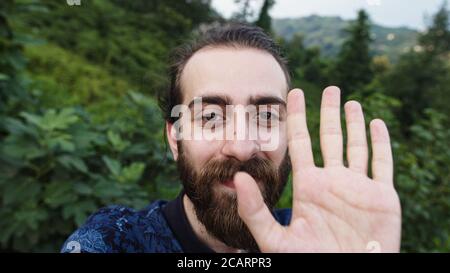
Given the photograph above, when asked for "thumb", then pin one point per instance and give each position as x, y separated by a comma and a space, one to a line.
255, 213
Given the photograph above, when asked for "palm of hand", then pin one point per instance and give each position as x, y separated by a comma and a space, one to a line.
335, 208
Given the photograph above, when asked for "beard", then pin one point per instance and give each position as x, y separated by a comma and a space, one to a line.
217, 208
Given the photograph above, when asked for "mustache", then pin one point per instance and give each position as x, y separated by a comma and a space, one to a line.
218, 171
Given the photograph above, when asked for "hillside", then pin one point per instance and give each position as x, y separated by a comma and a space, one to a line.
328, 33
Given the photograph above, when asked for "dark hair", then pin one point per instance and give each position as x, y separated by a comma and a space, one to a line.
232, 35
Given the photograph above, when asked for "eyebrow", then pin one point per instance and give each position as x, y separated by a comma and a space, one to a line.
223, 100
267, 100
216, 99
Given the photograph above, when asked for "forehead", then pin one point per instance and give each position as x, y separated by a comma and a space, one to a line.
239, 73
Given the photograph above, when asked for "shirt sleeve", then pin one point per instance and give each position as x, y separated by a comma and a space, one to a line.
106, 231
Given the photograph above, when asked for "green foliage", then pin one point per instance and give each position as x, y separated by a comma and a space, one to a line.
423, 182
245, 12
58, 162
264, 20
305, 63
437, 37
353, 67
12, 84
59, 165
413, 80
421, 78
62, 78
142, 39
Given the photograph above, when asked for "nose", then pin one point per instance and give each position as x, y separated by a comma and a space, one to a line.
243, 145
242, 150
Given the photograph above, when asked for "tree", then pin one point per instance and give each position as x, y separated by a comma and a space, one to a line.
421, 77
57, 166
305, 63
437, 38
197, 11
12, 93
353, 67
245, 12
295, 51
264, 20
424, 184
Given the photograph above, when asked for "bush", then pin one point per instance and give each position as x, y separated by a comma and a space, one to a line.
423, 183
58, 167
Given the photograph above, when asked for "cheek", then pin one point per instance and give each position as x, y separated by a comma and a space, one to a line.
278, 155
274, 143
199, 152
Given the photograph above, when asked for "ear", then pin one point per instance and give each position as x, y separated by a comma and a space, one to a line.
172, 139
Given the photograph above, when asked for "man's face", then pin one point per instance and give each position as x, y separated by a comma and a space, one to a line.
237, 77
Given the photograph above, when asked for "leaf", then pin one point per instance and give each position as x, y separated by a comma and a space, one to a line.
85, 138
73, 162
31, 217
60, 141
133, 172
17, 127
141, 100
4, 77
52, 120
18, 191
31, 118
83, 188
116, 140
62, 120
21, 148
78, 163
114, 166
79, 211
58, 193
107, 189
137, 149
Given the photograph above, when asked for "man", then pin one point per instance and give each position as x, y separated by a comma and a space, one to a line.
231, 184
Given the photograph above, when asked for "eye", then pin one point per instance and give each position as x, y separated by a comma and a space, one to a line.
265, 115
266, 118
210, 116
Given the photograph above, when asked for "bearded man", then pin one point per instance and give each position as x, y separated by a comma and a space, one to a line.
234, 164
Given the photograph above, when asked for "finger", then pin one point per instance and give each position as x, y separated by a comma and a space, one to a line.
254, 212
330, 127
357, 151
382, 163
300, 150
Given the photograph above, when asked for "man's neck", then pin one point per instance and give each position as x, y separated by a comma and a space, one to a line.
201, 232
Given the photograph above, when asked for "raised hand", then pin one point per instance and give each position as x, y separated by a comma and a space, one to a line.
335, 208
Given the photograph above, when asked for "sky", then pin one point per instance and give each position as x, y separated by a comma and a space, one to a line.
392, 13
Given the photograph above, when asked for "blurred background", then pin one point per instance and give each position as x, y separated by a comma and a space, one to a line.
80, 127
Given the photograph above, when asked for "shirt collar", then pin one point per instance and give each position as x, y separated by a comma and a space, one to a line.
175, 214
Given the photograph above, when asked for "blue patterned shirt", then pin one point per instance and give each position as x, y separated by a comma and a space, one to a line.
117, 229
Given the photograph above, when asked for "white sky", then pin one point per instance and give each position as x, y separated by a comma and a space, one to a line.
410, 13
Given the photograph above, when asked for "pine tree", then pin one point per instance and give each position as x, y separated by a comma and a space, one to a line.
353, 67
245, 11
421, 77
436, 39
305, 63
264, 20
